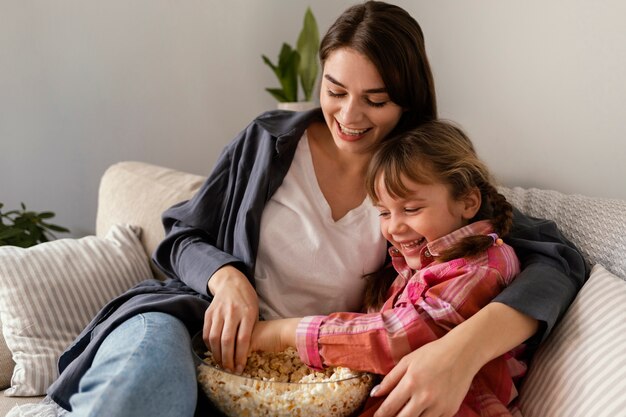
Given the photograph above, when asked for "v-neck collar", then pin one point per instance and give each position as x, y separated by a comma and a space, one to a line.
324, 207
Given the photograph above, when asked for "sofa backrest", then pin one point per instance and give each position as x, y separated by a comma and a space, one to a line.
138, 193
597, 226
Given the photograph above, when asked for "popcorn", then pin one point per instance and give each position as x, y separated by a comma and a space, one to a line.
279, 384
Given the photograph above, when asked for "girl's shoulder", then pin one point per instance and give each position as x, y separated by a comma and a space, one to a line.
504, 260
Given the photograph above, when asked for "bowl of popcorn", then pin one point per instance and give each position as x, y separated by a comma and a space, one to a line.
279, 384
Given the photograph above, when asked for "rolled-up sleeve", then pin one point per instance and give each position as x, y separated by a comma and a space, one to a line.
553, 271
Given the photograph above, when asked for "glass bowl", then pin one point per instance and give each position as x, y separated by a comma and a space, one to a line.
340, 395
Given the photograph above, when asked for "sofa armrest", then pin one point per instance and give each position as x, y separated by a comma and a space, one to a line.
138, 193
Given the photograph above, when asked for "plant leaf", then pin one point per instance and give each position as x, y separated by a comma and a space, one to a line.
288, 62
9, 233
270, 64
287, 73
278, 94
27, 228
45, 215
308, 47
55, 228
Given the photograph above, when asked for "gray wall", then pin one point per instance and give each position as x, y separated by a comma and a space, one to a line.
538, 85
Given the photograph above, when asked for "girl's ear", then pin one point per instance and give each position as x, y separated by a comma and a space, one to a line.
471, 203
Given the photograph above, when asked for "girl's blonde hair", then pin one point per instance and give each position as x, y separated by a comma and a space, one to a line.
437, 152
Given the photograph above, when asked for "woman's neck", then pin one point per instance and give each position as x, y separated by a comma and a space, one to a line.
340, 175
346, 163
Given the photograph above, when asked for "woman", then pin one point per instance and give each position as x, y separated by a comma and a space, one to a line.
266, 235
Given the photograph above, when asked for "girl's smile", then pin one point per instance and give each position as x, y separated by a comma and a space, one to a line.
425, 214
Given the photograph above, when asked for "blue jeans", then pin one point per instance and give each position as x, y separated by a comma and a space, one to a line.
144, 368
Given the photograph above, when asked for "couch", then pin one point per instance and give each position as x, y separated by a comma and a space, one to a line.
579, 371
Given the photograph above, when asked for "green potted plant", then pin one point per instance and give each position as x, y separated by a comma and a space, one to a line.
299, 64
25, 228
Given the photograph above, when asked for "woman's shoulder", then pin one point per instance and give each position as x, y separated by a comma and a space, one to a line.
284, 122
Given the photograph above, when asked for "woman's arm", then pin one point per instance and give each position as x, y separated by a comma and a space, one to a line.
208, 248
192, 249
195, 250
230, 318
434, 379
553, 271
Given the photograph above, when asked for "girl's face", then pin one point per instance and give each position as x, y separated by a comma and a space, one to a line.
355, 102
427, 213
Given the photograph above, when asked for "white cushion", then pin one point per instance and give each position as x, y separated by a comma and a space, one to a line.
50, 292
580, 370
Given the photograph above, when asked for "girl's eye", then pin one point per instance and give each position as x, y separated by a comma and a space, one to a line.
412, 210
383, 214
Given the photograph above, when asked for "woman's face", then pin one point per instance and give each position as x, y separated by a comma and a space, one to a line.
355, 102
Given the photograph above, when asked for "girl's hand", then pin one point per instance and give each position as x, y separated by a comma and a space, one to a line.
229, 320
274, 335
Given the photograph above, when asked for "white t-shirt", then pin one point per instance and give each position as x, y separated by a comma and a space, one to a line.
307, 263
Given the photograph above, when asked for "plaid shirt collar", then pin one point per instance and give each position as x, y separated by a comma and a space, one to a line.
431, 250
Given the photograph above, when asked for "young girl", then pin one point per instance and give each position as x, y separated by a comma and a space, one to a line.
445, 221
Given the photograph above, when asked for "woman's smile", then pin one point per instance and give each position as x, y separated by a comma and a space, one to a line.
350, 134
355, 102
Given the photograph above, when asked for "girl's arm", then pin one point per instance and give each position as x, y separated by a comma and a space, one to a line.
363, 341
274, 335
375, 342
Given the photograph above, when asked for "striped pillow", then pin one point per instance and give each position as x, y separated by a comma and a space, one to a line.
581, 368
50, 292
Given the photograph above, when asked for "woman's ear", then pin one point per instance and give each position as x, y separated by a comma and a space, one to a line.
471, 203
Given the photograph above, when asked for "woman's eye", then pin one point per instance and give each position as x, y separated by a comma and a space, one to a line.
331, 93
376, 103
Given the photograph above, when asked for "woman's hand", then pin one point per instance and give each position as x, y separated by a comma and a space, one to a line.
433, 380
428, 382
274, 335
229, 320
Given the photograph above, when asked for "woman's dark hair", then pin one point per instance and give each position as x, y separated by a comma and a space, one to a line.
437, 152
393, 41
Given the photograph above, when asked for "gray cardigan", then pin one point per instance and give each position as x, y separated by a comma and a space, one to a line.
220, 226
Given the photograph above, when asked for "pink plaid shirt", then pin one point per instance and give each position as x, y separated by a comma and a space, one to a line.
422, 306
